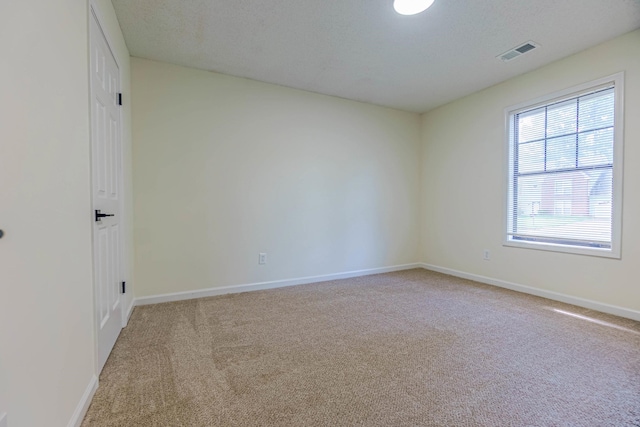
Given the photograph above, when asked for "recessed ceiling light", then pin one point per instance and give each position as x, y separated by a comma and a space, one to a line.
411, 7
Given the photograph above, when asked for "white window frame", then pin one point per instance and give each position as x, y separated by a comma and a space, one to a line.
618, 152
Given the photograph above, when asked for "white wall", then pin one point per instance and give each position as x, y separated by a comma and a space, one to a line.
225, 168
47, 356
463, 181
46, 317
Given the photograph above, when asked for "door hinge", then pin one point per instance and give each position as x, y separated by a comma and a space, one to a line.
124, 287
119, 98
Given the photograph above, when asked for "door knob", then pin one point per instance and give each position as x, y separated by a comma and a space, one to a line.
100, 215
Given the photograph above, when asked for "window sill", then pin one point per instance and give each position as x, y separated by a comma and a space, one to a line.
575, 250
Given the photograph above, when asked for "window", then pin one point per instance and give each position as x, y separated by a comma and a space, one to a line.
565, 170
563, 186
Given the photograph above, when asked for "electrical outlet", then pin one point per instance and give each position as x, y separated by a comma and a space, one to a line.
262, 258
486, 254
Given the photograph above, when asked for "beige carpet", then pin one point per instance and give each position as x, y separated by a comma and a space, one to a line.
411, 348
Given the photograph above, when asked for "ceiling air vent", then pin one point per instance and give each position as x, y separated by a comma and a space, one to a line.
517, 51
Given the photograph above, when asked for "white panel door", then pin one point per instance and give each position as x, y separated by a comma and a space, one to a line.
106, 184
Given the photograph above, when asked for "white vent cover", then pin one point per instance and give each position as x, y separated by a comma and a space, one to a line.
517, 51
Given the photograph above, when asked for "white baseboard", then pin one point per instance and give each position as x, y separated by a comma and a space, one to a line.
201, 293
85, 401
556, 296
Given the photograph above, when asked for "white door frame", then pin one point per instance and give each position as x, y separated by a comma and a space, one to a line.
94, 11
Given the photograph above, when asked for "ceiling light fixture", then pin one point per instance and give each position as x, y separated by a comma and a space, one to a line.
411, 7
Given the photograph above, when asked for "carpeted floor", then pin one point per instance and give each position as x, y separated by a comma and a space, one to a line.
411, 348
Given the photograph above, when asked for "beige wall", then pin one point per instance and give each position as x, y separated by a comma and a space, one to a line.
463, 182
225, 168
47, 343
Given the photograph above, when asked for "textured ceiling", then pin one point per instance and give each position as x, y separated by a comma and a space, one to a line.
362, 49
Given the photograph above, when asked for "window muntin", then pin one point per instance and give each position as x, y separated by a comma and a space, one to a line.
563, 186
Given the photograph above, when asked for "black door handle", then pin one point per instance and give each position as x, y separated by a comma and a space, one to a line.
101, 215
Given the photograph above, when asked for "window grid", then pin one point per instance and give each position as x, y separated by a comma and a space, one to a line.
547, 171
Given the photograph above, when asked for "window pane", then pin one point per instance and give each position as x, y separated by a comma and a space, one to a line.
531, 157
566, 205
531, 125
561, 152
529, 196
595, 148
561, 118
561, 185
600, 193
596, 110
